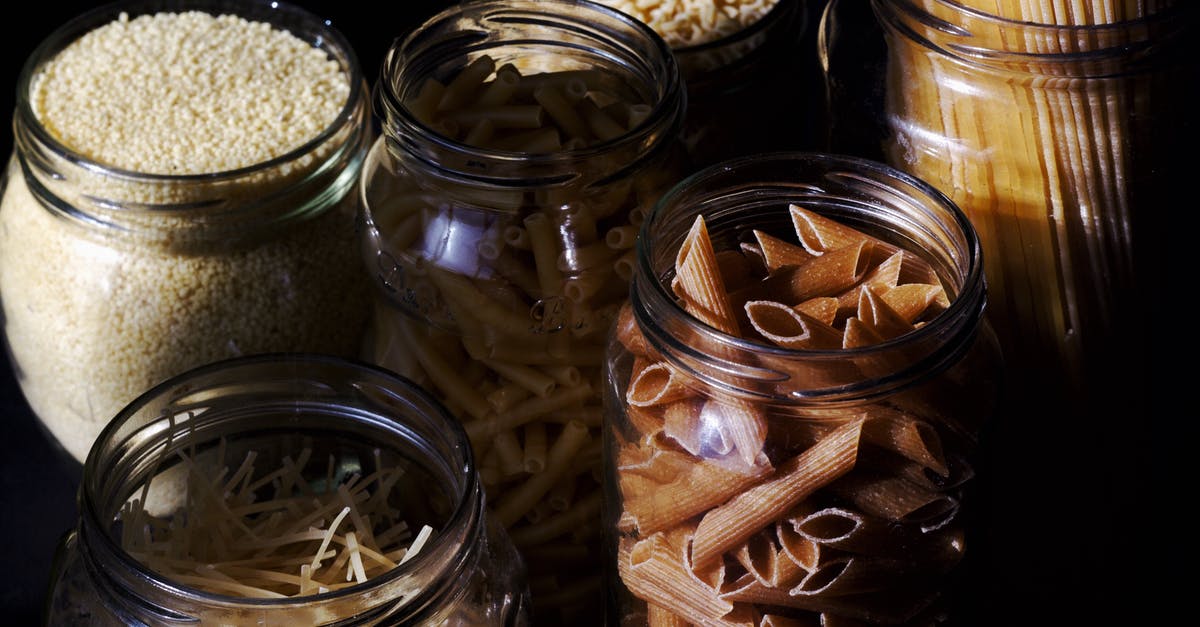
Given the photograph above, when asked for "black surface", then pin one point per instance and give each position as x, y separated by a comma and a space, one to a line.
1097, 565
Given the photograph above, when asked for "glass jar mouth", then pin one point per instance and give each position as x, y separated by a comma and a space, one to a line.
596, 32
297, 20
1076, 46
851, 184
131, 447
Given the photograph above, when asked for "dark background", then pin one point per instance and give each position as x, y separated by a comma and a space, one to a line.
1097, 559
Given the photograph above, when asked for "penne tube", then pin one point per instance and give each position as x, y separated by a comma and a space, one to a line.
657, 384
896, 499
776, 253
731, 523
791, 328
819, 234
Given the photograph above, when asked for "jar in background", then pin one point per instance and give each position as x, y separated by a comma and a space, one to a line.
1057, 130
131, 250
522, 143
285, 435
789, 435
749, 67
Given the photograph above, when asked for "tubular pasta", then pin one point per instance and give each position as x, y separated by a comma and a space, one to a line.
516, 502
819, 235
656, 570
777, 253
881, 318
895, 499
661, 488
733, 522
656, 384
791, 328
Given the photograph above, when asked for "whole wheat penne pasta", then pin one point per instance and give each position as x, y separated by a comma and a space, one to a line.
884, 275
514, 503
731, 523
682, 423
655, 569
698, 281
659, 617
907, 435
891, 607
791, 328
896, 499
740, 423
822, 308
819, 234
912, 300
628, 333
800, 550
853, 574
776, 253
657, 384
776, 620
671, 487
881, 318
858, 335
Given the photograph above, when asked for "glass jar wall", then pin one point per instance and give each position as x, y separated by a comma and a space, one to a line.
1056, 127
789, 441
151, 222
285, 489
522, 144
749, 67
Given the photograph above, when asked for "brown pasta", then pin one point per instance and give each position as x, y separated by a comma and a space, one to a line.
752, 510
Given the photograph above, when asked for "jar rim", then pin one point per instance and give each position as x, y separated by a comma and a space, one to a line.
467, 498
963, 315
273, 12
400, 125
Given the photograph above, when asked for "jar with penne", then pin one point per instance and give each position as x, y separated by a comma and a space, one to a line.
795, 392
522, 144
285, 489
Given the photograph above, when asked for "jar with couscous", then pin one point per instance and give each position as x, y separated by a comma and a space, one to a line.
523, 141
179, 193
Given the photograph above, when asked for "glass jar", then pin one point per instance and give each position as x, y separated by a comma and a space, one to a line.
764, 462
114, 278
1056, 128
278, 431
748, 77
501, 254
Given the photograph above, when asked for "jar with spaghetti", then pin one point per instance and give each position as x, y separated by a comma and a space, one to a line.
796, 389
749, 66
1055, 127
522, 143
1058, 127
285, 489
180, 192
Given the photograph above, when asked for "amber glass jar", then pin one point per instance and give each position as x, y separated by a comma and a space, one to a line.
778, 459
115, 276
280, 432
522, 144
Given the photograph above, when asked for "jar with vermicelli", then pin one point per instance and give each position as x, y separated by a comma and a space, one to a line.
522, 143
179, 193
749, 67
795, 393
285, 489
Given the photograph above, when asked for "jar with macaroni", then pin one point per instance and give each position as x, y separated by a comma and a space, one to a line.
523, 142
796, 390
749, 66
179, 193
285, 489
